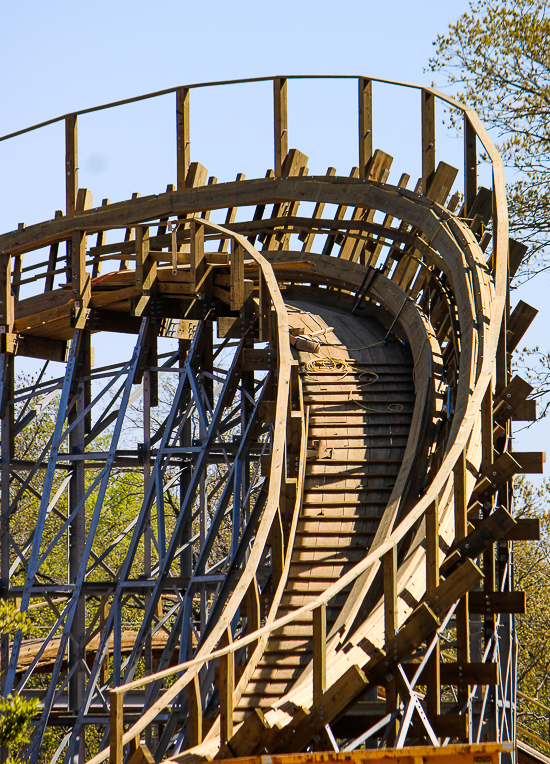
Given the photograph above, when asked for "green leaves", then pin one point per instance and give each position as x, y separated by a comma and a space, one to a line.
496, 58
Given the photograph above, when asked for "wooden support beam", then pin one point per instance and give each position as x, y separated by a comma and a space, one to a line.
520, 320
41, 347
530, 462
433, 694
526, 411
237, 275
227, 688
511, 400
516, 252
491, 529
494, 476
461, 530
280, 123
198, 264
428, 139
146, 271
71, 163
183, 136
470, 165
319, 653
252, 611
80, 279
390, 595
389, 562
365, 124
489, 602
116, 728
195, 713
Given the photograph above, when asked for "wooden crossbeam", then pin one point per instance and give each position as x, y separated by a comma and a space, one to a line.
520, 320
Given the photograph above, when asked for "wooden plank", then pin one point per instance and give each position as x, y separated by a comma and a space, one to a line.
497, 602
146, 271
237, 276
466, 673
525, 529
183, 136
365, 124
41, 347
526, 412
7, 313
280, 123
494, 476
516, 252
520, 320
428, 138
116, 728
390, 595
249, 736
227, 688
319, 653
470, 164
80, 279
195, 713
441, 183
198, 265
471, 546
511, 399
531, 462
71, 163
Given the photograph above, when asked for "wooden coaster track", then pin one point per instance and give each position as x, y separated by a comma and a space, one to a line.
320, 552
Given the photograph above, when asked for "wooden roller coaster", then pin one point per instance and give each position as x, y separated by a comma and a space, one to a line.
319, 555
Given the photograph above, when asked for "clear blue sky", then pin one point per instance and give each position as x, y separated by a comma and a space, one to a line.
62, 56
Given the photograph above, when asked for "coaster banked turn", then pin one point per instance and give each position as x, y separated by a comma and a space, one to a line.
319, 555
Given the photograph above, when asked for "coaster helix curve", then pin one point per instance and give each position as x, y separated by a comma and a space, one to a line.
310, 547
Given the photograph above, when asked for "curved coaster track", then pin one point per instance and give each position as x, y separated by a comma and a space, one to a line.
310, 547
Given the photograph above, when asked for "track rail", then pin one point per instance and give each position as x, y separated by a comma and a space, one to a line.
352, 502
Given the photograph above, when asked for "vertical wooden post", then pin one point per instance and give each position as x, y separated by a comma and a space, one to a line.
390, 595
365, 124
197, 252
280, 123
227, 688
237, 275
428, 139
462, 617
116, 728
265, 309
433, 695
389, 562
183, 136
487, 429
80, 280
319, 653
71, 162
252, 612
470, 165
195, 713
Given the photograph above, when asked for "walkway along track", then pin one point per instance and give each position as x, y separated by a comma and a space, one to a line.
361, 503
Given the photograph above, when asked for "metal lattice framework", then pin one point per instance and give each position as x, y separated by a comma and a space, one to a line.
298, 555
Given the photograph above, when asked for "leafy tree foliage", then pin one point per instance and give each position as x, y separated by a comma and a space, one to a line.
532, 575
497, 59
15, 711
